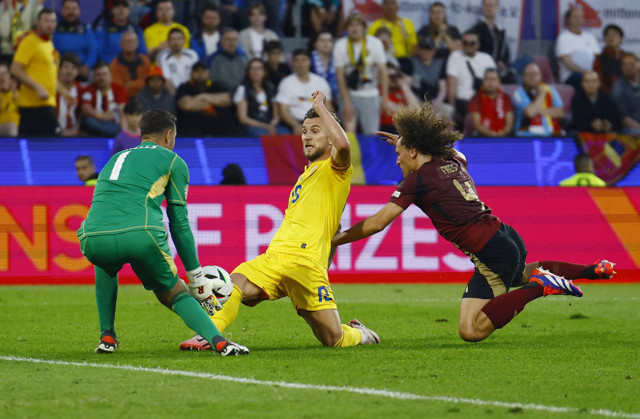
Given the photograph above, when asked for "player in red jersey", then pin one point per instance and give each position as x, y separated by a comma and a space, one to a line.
436, 180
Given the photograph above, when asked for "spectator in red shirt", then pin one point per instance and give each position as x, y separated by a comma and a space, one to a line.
490, 108
67, 104
102, 103
400, 94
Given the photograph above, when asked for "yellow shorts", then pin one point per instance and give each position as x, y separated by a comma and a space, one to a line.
279, 275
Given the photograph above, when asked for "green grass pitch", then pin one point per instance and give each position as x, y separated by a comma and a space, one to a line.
563, 357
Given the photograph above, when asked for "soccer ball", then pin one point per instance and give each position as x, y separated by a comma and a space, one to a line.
222, 285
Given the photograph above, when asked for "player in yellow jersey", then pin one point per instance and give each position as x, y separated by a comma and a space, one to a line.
297, 260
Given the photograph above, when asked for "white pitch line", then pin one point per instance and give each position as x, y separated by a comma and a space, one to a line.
359, 390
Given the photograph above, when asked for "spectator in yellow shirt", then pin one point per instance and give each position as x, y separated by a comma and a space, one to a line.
156, 35
9, 115
403, 34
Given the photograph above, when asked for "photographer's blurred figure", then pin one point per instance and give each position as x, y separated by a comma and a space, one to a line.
232, 174
585, 173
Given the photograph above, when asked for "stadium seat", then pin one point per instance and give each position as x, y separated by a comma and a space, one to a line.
468, 125
566, 92
509, 89
545, 68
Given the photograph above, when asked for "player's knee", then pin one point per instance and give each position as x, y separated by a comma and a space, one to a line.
470, 334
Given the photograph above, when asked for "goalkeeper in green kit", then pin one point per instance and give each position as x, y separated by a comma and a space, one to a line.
124, 225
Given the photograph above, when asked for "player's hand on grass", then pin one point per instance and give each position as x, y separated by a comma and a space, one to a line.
388, 137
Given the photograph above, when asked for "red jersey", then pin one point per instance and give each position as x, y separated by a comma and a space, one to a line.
68, 113
492, 111
99, 101
445, 192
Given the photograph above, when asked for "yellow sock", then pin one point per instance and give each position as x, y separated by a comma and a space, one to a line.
350, 337
223, 318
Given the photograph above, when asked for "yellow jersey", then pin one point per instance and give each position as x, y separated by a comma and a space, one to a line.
315, 207
9, 107
403, 35
40, 60
158, 33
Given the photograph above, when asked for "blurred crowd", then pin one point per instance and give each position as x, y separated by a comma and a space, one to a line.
227, 70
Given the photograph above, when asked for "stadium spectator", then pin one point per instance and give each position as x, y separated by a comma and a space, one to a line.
130, 67
436, 181
400, 94
299, 255
465, 69
156, 35
446, 37
608, 64
490, 108
626, 94
403, 34
538, 107
86, 170
109, 35
254, 102
322, 62
318, 15
493, 40
585, 172
176, 61
593, 110
67, 105
129, 137
72, 35
102, 103
233, 14
362, 76
16, 18
575, 49
9, 114
277, 69
253, 39
204, 107
37, 73
429, 78
154, 94
232, 174
124, 225
295, 90
384, 35
229, 63
205, 42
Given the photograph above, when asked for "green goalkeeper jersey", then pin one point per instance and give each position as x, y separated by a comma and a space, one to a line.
130, 190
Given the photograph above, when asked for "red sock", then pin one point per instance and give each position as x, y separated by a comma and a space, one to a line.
569, 270
502, 309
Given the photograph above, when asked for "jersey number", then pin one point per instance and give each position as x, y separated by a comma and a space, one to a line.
466, 190
117, 167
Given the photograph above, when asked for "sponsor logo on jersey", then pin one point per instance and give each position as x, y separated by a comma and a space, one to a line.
396, 194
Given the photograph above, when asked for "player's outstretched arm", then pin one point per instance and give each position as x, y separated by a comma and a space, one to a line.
369, 226
341, 152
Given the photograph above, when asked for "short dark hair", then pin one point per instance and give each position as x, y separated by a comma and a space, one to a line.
311, 113
70, 57
174, 30
199, 66
156, 121
45, 11
272, 45
84, 157
100, 64
613, 27
133, 107
581, 162
300, 51
491, 70
211, 8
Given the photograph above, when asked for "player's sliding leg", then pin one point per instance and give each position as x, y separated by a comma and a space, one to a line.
602, 269
183, 304
326, 326
106, 296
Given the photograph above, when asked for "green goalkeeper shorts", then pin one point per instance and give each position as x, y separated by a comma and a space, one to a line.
146, 250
